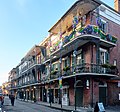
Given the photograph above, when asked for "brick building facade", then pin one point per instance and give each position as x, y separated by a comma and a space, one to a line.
78, 63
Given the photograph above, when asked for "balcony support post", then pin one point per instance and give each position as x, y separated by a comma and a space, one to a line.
97, 55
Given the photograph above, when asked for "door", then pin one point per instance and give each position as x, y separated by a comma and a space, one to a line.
41, 99
79, 96
44, 95
102, 95
51, 95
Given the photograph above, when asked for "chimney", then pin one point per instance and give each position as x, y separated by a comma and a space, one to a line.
117, 5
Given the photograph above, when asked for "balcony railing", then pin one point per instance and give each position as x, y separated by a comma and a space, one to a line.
28, 66
86, 68
89, 29
91, 68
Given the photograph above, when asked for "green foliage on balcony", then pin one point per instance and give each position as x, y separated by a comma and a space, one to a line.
114, 39
54, 71
105, 65
92, 29
66, 68
108, 66
89, 29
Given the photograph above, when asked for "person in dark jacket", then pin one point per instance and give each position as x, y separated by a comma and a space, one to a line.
96, 109
12, 98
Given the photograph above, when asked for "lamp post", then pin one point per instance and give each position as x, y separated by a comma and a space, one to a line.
74, 54
60, 81
50, 83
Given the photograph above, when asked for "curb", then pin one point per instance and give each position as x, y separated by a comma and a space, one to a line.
62, 109
55, 107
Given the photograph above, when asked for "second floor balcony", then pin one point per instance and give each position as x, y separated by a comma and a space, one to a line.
87, 69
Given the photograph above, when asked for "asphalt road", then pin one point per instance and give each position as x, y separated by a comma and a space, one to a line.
21, 106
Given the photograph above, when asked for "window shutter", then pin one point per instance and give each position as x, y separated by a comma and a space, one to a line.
106, 57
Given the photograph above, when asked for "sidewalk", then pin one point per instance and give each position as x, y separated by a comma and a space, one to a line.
72, 108
79, 109
66, 108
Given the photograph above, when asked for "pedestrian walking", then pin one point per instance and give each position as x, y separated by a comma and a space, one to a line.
12, 98
96, 109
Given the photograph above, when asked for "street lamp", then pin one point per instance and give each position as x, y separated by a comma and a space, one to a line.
74, 72
50, 83
60, 81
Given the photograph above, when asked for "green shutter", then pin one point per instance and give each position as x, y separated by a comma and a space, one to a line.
106, 57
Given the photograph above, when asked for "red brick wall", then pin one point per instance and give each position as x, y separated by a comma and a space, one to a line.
71, 96
113, 29
86, 97
95, 92
113, 91
87, 53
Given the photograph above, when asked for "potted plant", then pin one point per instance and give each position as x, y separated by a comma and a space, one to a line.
113, 66
54, 71
106, 65
66, 68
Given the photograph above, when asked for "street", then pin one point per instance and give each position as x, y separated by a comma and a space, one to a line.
21, 106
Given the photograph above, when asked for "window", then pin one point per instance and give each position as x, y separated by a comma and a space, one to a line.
79, 59
55, 66
103, 26
66, 61
104, 56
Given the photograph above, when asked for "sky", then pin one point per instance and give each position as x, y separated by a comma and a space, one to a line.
24, 23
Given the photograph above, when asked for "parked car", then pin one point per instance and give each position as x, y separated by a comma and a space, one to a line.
1, 98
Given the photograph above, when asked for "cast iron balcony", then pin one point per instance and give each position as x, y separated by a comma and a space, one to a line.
91, 69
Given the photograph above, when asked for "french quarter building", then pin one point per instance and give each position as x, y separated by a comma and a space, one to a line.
78, 63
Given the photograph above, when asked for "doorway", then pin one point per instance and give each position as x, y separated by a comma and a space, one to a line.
103, 93
79, 96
